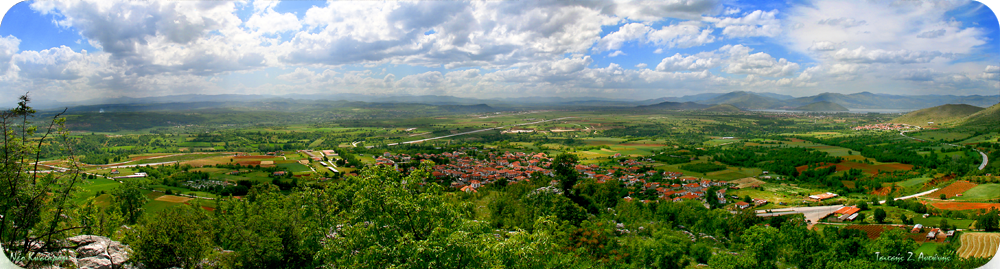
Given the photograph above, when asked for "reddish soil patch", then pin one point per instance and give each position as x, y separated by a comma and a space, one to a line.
849, 184
939, 180
752, 144
964, 206
955, 188
249, 162
254, 157
806, 167
883, 191
873, 231
872, 169
208, 208
795, 140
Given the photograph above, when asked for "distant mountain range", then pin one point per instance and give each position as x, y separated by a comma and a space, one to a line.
739, 99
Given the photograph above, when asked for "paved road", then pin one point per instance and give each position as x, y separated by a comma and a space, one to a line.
813, 213
476, 131
911, 196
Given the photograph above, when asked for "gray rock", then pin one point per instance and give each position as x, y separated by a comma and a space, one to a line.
94, 263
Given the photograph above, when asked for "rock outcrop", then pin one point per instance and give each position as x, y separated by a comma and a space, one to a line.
88, 252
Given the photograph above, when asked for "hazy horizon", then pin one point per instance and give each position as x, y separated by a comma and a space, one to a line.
78, 50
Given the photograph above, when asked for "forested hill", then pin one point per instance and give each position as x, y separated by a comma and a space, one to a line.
938, 115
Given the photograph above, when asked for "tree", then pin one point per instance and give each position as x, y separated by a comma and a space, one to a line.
879, 215
863, 206
989, 221
944, 197
178, 236
129, 200
34, 210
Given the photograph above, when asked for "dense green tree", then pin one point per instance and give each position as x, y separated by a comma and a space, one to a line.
179, 236
128, 199
879, 215
989, 221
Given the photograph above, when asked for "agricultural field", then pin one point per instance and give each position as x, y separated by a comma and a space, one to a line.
979, 245
982, 192
964, 205
952, 190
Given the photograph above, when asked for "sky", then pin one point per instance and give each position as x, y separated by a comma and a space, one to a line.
92, 49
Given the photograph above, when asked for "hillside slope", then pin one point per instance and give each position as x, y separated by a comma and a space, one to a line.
723, 108
674, 106
938, 115
989, 116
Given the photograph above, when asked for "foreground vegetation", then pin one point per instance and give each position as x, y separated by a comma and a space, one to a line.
257, 195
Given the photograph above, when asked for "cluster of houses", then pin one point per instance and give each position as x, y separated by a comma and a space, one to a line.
468, 173
205, 184
934, 233
883, 126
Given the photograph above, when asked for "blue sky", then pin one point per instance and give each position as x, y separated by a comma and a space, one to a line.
78, 50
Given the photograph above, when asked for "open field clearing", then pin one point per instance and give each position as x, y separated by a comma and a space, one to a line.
747, 182
982, 245
867, 168
954, 189
981, 192
914, 182
964, 205
173, 199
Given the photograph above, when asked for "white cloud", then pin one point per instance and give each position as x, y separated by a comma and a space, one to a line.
641, 65
890, 26
740, 61
823, 46
757, 23
843, 22
683, 35
863, 55
8, 48
698, 62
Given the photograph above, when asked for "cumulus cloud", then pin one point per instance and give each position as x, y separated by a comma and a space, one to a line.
678, 62
8, 48
741, 61
683, 35
863, 55
757, 23
823, 46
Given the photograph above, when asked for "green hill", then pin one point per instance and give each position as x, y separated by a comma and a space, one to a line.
822, 106
986, 117
938, 115
747, 100
723, 108
674, 106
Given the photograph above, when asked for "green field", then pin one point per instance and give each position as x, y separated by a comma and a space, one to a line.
914, 182
981, 192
